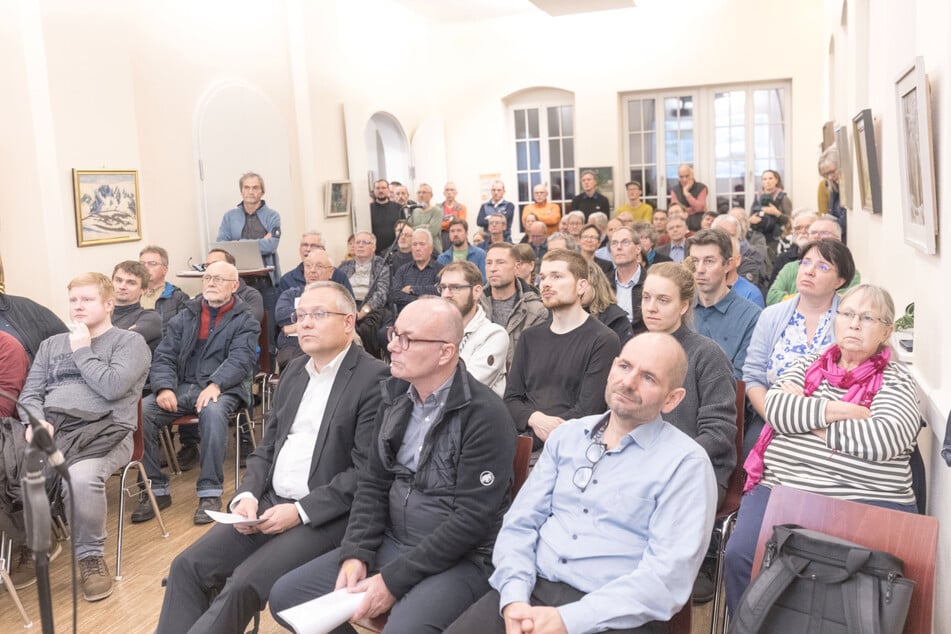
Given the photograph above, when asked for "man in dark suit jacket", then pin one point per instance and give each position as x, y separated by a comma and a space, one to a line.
324, 410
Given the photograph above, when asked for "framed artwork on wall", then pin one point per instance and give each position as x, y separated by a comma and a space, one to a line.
866, 162
107, 206
845, 166
337, 199
916, 158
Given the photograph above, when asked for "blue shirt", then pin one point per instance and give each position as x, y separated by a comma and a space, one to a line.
232, 224
632, 541
474, 255
746, 289
730, 324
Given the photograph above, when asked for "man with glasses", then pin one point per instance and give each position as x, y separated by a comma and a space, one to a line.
628, 277
559, 368
162, 296
484, 347
784, 286
801, 220
431, 498
201, 367
294, 278
609, 530
369, 278
317, 268
299, 482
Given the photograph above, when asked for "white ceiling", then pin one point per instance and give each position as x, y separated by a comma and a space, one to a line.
448, 11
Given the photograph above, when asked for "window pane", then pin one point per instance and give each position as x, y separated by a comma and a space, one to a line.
568, 152
521, 155
534, 155
533, 123
523, 187
650, 149
554, 186
648, 111
637, 157
520, 129
634, 115
649, 183
553, 122
554, 153
569, 185
536, 179
567, 121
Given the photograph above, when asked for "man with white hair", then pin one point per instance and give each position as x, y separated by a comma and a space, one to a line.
800, 220
312, 239
202, 366
318, 267
427, 215
784, 286
418, 277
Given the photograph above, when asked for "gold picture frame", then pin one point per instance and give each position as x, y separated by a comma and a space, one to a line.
107, 206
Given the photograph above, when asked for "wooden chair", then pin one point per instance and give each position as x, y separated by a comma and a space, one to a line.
6, 556
138, 450
726, 515
910, 537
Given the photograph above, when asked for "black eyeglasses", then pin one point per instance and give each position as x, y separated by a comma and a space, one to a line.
404, 340
594, 453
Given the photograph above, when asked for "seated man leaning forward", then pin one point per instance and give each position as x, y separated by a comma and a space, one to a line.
202, 366
609, 530
85, 386
300, 481
431, 498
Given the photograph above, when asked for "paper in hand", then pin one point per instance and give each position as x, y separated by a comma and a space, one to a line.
323, 614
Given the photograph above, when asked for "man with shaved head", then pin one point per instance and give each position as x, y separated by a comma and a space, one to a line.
430, 500
622, 477
201, 367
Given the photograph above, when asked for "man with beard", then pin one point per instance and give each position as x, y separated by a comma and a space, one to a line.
560, 368
383, 215
484, 345
507, 300
461, 250
718, 312
621, 477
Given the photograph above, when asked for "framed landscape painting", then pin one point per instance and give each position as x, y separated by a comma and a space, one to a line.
107, 206
866, 161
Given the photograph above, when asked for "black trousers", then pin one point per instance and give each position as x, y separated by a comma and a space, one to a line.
484, 618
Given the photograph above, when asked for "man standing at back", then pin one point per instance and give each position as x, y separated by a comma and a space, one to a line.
252, 219
427, 216
383, 216
559, 369
507, 300
590, 199
497, 205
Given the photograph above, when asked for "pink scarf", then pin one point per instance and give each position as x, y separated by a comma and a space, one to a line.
861, 384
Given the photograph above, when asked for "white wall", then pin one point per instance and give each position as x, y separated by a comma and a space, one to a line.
898, 31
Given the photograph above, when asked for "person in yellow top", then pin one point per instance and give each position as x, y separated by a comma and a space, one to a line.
544, 211
640, 210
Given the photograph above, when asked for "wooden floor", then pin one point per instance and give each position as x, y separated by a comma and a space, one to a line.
137, 599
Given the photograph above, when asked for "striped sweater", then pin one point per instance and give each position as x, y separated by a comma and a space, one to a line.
860, 459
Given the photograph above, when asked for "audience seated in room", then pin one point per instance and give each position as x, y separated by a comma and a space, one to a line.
294, 278
601, 302
430, 500
559, 368
318, 267
161, 295
370, 279
418, 277
129, 280
558, 563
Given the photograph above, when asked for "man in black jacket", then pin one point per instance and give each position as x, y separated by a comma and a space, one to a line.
430, 502
299, 482
202, 366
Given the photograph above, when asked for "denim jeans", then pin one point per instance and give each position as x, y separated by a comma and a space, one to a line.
212, 427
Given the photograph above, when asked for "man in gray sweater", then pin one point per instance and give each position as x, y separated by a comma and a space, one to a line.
85, 386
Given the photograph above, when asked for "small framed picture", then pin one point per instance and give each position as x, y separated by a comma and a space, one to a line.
866, 162
107, 206
337, 199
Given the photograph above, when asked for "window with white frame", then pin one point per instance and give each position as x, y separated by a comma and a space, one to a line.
729, 134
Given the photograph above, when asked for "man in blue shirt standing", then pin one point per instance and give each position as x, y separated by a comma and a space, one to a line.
609, 530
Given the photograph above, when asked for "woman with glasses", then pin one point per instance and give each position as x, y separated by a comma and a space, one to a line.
844, 424
588, 242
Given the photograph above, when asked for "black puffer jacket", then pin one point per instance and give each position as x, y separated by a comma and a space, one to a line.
452, 507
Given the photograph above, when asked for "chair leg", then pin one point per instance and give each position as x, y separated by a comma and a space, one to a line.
719, 619
169, 448
145, 485
6, 551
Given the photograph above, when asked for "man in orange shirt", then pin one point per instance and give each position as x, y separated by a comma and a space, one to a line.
451, 208
544, 211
